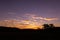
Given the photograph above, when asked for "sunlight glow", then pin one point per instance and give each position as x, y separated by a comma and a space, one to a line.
32, 22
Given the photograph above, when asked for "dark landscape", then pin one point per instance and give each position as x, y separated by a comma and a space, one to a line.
30, 19
49, 33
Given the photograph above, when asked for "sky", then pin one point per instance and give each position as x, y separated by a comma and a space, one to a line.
40, 11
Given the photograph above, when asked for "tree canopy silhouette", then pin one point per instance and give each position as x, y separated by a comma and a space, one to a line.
46, 26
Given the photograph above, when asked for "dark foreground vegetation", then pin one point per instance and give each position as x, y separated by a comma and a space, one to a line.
48, 33
9, 29
45, 28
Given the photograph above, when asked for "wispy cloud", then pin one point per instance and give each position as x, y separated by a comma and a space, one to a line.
23, 24
42, 18
50, 19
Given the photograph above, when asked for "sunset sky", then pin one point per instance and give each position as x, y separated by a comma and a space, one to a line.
34, 12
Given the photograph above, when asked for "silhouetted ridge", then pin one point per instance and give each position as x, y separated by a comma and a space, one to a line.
2, 28
9, 29
29, 33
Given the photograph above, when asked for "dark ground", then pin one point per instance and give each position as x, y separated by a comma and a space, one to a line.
45, 34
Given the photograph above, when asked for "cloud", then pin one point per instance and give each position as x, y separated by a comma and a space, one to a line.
24, 24
43, 18
31, 22
50, 19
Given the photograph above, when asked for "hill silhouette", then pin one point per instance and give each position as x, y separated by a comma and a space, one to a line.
9, 29
50, 33
48, 30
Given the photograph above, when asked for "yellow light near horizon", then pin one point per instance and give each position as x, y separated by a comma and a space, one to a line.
26, 24
32, 22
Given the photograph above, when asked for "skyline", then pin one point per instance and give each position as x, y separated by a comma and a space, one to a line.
36, 11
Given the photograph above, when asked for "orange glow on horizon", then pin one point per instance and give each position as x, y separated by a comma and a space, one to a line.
33, 22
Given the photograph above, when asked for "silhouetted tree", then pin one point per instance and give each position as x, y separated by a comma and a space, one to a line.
46, 26
51, 25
